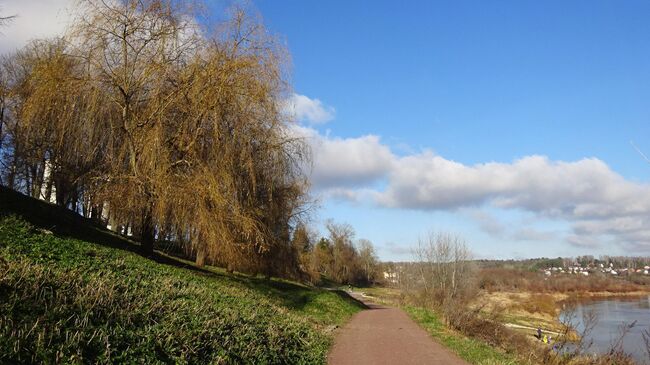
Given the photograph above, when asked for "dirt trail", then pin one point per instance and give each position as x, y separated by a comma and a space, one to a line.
385, 335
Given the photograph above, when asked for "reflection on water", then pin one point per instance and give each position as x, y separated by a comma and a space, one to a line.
612, 314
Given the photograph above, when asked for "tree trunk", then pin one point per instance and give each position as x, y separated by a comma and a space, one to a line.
37, 180
85, 207
61, 191
47, 196
73, 199
11, 178
41, 178
200, 256
147, 235
96, 213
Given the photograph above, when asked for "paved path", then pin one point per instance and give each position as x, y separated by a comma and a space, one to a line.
385, 335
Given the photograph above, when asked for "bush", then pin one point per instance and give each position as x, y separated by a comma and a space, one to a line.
491, 331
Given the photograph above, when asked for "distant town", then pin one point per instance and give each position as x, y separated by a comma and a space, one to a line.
610, 269
581, 265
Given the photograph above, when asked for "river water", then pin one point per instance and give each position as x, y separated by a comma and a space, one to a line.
612, 314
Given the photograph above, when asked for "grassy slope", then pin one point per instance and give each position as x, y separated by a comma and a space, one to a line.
70, 300
471, 350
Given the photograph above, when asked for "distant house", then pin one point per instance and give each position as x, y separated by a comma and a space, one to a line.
391, 277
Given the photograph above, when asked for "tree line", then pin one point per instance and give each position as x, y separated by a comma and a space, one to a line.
337, 257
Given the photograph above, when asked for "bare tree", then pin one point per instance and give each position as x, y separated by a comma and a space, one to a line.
443, 271
368, 259
578, 326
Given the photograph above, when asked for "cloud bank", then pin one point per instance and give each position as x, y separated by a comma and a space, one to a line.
601, 206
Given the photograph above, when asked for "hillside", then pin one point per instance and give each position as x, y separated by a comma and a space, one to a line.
71, 292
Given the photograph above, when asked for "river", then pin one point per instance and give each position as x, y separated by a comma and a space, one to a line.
612, 314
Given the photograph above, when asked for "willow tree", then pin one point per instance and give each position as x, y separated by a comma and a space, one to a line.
177, 131
132, 51
26, 139
58, 132
235, 166
197, 148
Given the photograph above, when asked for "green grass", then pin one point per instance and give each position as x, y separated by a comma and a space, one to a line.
67, 300
473, 351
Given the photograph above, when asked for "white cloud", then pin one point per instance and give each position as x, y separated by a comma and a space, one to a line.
346, 162
306, 110
34, 19
598, 204
532, 234
396, 250
350, 161
586, 241
583, 188
514, 231
342, 194
488, 223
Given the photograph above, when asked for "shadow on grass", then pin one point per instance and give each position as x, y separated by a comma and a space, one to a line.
66, 223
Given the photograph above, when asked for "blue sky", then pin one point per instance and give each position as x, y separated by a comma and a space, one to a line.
507, 122
477, 82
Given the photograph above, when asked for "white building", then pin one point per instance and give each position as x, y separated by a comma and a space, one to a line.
391, 277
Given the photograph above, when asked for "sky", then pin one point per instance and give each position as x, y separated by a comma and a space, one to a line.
513, 124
